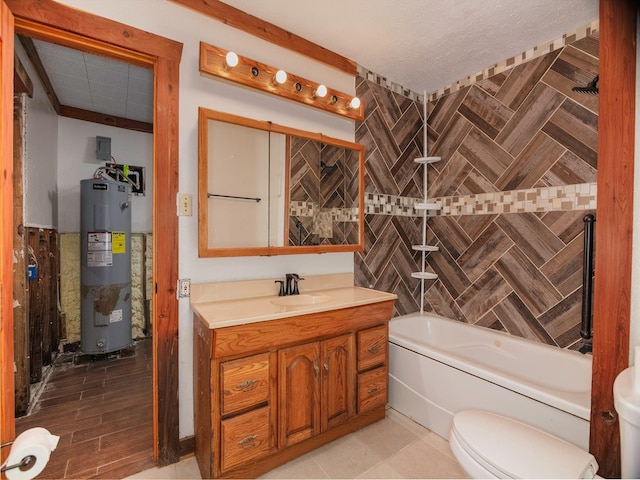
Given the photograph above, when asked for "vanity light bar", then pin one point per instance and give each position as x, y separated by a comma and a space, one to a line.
250, 73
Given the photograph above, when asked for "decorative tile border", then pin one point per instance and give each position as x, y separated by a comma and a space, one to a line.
499, 67
544, 199
375, 203
388, 84
524, 57
311, 209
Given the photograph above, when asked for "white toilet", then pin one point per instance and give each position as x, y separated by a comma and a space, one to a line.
492, 446
626, 399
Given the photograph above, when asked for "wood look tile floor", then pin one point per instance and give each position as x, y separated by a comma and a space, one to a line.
102, 412
395, 447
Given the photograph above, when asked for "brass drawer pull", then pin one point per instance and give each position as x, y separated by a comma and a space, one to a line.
374, 348
248, 442
373, 390
248, 385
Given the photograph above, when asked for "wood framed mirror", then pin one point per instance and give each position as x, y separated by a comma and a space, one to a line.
267, 189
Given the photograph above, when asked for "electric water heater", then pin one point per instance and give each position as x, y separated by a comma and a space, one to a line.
105, 275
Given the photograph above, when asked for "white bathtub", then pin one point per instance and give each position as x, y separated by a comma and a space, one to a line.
439, 366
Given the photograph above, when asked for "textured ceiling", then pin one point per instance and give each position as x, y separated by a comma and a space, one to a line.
425, 44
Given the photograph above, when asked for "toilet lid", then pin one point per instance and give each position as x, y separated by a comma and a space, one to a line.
513, 449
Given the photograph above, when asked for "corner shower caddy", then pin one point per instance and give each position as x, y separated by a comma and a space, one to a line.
425, 207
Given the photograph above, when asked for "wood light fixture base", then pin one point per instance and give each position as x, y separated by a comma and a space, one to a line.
251, 73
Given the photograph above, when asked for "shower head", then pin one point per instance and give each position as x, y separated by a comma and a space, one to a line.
327, 169
591, 88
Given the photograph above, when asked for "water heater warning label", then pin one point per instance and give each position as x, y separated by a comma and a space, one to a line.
118, 242
99, 253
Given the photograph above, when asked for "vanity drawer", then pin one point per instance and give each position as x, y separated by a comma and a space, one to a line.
372, 347
244, 383
244, 438
372, 389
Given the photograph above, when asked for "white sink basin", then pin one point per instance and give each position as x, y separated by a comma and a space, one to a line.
301, 300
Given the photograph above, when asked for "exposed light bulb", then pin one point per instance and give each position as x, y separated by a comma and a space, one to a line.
231, 59
281, 76
355, 103
321, 91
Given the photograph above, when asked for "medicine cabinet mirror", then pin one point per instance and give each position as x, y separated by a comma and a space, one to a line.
267, 189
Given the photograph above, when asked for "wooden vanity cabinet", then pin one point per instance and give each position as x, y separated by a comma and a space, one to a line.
268, 392
316, 388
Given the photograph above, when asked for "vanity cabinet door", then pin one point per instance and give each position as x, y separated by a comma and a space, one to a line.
338, 380
298, 393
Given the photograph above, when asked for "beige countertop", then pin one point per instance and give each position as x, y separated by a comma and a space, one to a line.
219, 312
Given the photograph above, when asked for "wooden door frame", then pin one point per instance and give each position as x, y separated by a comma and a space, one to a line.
614, 225
53, 22
7, 423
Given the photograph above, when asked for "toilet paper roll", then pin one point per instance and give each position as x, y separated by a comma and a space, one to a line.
36, 444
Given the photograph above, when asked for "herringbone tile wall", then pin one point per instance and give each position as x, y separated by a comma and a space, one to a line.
324, 180
520, 129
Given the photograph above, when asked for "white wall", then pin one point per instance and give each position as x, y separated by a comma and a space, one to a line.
77, 161
183, 25
40, 166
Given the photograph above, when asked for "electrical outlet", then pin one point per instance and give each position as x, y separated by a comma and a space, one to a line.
185, 204
184, 287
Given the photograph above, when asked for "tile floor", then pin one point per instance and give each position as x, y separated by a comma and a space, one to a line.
102, 411
395, 447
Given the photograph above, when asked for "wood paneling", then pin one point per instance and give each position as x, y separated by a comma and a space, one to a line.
43, 320
21, 303
613, 258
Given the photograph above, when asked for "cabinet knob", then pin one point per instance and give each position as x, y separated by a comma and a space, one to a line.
248, 442
316, 367
373, 390
247, 385
374, 348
